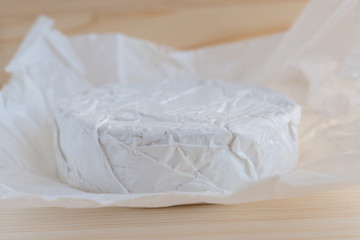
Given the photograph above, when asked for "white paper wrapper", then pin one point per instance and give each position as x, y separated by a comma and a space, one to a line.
316, 63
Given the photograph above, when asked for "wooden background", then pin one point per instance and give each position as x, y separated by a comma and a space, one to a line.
184, 24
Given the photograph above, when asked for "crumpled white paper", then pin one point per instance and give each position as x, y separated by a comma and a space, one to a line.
316, 63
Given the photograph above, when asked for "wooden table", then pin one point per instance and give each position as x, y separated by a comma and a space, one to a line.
184, 24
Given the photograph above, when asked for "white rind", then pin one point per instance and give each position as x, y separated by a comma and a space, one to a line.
175, 136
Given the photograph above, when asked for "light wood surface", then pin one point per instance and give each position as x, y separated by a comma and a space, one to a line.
331, 215
184, 24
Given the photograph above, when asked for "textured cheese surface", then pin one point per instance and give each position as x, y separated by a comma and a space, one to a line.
163, 136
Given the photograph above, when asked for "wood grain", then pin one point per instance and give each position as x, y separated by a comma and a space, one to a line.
331, 215
184, 24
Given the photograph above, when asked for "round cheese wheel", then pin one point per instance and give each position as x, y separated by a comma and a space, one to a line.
163, 136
